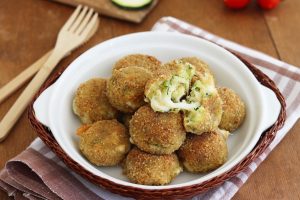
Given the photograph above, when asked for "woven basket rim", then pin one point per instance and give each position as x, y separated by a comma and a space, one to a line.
181, 192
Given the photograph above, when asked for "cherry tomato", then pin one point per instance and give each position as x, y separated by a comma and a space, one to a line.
268, 4
236, 4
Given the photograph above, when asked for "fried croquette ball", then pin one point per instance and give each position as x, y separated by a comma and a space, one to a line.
200, 65
214, 105
234, 109
90, 102
177, 67
208, 115
203, 153
125, 89
202, 105
155, 132
165, 92
148, 169
144, 61
104, 143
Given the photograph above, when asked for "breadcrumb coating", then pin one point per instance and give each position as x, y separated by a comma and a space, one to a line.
201, 66
90, 102
203, 153
148, 169
140, 60
125, 89
104, 143
234, 109
155, 132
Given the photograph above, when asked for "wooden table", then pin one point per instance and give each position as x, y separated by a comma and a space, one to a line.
28, 29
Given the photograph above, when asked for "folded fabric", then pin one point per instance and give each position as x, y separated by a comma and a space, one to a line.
38, 174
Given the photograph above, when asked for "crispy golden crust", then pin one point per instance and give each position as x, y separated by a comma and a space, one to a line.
168, 68
144, 61
125, 89
210, 116
201, 66
234, 110
214, 106
207, 118
104, 143
82, 129
203, 153
203, 125
157, 133
148, 169
90, 102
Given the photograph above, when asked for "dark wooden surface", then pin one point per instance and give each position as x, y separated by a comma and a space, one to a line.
28, 29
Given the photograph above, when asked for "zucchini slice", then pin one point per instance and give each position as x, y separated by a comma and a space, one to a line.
132, 4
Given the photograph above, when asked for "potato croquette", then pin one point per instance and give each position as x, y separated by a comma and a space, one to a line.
90, 102
155, 132
144, 61
203, 153
201, 66
148, 169
125, 89
173, 67
104, 143
234, 109
165, 92
208, 115
206, 118
214, 105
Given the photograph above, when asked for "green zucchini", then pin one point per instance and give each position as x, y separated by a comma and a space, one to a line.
132, 4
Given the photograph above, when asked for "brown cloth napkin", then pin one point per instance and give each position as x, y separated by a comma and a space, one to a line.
38, 177
38, 174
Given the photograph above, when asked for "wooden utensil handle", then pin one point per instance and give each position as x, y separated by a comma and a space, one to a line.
24, 76
24, 99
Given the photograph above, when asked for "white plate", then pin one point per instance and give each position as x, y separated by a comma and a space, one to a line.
54, 106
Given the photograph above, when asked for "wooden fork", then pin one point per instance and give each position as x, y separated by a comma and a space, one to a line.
74, 33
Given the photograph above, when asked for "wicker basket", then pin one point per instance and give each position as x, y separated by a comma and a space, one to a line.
184, 192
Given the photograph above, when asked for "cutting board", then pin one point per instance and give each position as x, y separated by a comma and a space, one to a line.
106, 7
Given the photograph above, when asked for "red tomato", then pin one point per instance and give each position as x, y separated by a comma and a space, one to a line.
268, 4
236, 4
